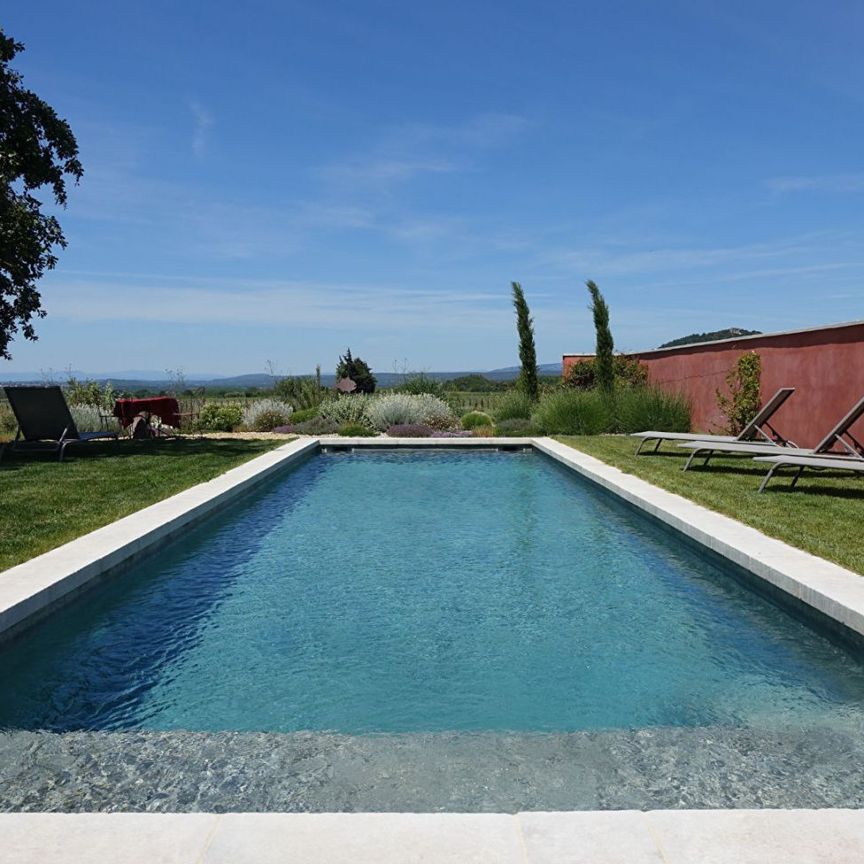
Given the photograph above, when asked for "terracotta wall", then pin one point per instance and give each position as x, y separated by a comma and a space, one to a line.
825, 365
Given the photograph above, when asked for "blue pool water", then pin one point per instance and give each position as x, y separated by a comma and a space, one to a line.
392, 591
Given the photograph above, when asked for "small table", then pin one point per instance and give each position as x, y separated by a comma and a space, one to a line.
165, 408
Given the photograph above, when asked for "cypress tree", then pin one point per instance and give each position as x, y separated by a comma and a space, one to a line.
527, 352
604, 369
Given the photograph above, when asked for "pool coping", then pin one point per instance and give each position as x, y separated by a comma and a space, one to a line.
598, 837
33, 588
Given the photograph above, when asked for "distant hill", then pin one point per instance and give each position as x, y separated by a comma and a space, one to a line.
714, 335
130, 381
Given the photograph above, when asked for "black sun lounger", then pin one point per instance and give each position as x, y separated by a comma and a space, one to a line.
758, 430
840, 434
44, 419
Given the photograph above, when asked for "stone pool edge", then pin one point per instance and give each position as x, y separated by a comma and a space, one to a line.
31, 589
638, 837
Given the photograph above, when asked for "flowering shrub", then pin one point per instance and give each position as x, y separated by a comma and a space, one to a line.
410, 430
263, 415
399, 409
346, 409
315, 426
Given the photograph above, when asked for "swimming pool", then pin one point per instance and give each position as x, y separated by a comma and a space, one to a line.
407, 592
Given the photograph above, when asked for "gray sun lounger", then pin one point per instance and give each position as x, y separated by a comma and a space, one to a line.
758, 430
840, 463
44, 420
840, 434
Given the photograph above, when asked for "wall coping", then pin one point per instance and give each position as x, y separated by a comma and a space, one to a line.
732, 339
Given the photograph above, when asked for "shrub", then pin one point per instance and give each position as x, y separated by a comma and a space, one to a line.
90, 393
744, 382
262, 415
628, 371
303, 394
303, 415
515, 427
398, 409
451, 433
315, 426
346, 409
288, 429
219, 418
410, 430
88, 418
476, 419
575, 412
483, 432
355, 430
514, 406
593, 412
8, 424
644, 408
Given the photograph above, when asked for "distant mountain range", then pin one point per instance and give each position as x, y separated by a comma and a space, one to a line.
136, 379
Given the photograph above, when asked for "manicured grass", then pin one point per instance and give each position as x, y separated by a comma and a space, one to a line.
46, 503
822, 515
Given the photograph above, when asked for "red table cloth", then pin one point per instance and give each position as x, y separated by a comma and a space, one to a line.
164, 407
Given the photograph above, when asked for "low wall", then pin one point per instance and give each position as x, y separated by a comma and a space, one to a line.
825, 365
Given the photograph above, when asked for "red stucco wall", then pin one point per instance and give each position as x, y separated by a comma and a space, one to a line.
826, 366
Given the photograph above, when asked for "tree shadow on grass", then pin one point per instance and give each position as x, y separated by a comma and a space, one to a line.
227, 448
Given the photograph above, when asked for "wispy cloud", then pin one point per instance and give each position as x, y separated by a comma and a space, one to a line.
406, 151
271, 302
386, 170
203, 120
821, 183
615, 259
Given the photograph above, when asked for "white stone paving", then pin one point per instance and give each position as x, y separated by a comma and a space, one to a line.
598, 837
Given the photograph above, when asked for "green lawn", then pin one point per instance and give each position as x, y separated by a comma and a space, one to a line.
46, 503
823, 514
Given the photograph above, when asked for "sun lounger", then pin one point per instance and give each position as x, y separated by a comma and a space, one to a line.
758, 429
44, 420
841, 463
840, 434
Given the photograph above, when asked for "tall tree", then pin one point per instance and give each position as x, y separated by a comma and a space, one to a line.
527, 352
604, 362
37, 148
358, 371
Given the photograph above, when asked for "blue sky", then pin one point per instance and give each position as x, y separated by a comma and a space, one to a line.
280, 180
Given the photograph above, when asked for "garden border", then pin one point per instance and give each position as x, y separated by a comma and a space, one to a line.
30, 590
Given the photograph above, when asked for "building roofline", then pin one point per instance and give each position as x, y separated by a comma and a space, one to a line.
753, 337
